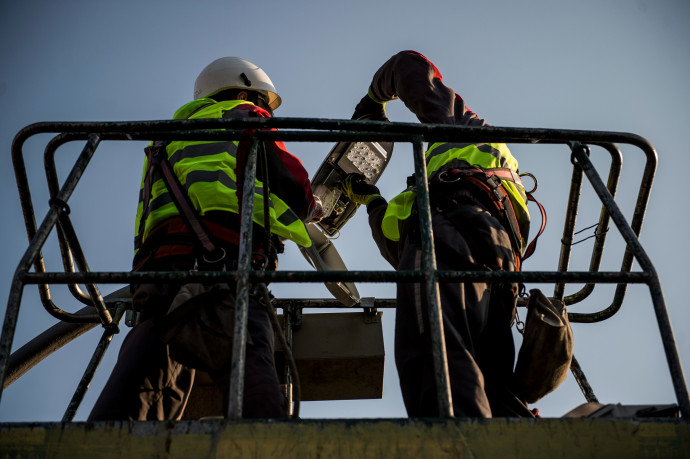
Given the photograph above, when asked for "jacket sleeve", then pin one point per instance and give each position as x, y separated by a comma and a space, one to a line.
390, 250
289, 180
412, 78
287, 177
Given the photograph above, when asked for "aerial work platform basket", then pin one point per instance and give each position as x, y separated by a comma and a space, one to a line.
109, 310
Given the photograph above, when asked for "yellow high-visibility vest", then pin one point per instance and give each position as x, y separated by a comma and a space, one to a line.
207, 171
446, 155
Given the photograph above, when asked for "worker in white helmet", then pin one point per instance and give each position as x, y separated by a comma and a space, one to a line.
152, 380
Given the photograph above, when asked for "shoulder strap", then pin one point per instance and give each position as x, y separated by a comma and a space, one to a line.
158, 158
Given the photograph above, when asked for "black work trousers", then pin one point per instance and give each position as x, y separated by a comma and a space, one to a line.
148, 384
476, 320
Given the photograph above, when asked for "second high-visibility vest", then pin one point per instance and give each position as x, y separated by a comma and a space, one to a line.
441, 156
207, 170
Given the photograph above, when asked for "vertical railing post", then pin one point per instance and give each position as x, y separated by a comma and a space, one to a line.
95, 296
9, 326
438, 340
566, 248
242, 302
288, 318
569, 228
582, 381
96, 359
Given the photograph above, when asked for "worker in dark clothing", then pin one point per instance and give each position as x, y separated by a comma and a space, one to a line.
471, 232
147, 382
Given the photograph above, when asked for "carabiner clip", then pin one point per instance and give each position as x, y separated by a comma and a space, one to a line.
443, 177
534, 179
221, 258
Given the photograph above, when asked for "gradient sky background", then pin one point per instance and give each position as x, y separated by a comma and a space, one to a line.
594, 65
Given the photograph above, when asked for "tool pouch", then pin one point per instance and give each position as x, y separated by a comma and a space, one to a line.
199, 326
547, 348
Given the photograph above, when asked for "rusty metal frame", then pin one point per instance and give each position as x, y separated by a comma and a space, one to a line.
321, 130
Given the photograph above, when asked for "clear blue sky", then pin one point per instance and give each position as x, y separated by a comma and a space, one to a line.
596, 65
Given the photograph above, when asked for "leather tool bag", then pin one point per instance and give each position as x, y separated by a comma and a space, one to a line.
547, 348
199, 326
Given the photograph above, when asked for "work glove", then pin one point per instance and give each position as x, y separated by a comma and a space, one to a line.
369, 109
358, 190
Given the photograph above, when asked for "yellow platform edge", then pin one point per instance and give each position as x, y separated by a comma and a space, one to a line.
352, 438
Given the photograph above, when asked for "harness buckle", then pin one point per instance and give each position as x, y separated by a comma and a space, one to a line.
495, 183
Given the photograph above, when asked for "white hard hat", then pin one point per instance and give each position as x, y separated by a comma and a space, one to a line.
234, 72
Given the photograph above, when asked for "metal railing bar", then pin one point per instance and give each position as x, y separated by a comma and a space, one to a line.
55, 337
60, 334
33, 252
581, 380
663, 321
362, 131
43, 345
471, 135
287, 373
569, 228
30, 222
119, 277
597, 251
67, 237
292, 304
670, 348
603, 225
95, 361
53, 189
566, 248
60, 199
70, 235
636, 227
558, 294
450, 133
9, 327
438, 341
243, 285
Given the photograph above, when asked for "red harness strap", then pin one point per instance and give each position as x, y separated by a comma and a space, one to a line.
532, 246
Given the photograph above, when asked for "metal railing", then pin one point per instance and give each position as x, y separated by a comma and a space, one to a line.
109, 311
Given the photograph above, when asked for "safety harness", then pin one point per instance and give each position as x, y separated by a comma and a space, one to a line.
157, 159
493, 194
175, 232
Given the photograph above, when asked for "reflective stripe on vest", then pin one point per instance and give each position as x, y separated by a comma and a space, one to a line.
442, 156
207, 171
